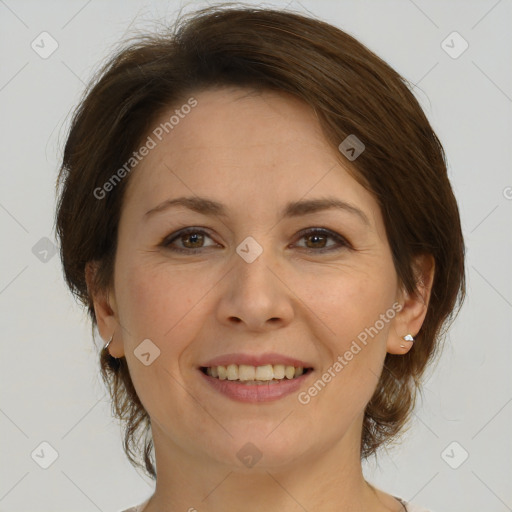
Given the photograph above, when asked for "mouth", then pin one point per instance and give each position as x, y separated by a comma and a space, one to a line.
256, 375
255, 378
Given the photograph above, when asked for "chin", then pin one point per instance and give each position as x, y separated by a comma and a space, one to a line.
255, 450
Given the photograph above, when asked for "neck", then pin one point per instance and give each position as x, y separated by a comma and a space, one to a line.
327, 481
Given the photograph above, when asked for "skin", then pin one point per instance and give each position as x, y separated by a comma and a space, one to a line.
254, 153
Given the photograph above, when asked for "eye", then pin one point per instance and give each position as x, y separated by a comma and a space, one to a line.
319, 237
193, 240
193, 237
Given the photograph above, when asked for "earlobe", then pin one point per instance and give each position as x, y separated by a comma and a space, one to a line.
105, 311
400, 345
409, 320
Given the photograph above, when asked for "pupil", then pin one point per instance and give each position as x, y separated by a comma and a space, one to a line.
194, 238
316, 238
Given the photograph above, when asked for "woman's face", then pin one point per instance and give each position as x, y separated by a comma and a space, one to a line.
259, 280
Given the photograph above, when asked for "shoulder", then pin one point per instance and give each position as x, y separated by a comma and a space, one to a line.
411, 507
137, 508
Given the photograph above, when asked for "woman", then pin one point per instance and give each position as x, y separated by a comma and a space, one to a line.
257, 214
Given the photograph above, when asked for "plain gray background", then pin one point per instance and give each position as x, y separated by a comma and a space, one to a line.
51, 389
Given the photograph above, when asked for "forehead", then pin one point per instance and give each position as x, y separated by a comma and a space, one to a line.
231, 124
268, 147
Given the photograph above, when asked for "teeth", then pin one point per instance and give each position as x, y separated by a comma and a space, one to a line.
289, 372
266, 372
279, 371
246, 372
222, 372
232, 372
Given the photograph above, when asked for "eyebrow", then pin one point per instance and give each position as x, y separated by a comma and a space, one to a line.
207, 206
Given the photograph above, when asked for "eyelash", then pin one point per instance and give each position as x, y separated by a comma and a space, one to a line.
341, 241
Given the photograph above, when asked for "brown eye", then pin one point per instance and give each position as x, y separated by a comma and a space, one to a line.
191, 240
317, 240
194, 238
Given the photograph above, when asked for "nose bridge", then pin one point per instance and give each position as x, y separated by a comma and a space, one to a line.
256, 295
252, 270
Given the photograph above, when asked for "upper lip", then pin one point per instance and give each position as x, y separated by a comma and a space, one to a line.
255, 360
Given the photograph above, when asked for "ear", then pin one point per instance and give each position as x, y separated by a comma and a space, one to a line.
410, 318
105, 309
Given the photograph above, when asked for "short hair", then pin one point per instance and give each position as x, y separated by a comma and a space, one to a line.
352, 91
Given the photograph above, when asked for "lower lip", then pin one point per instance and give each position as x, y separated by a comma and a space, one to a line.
256, 392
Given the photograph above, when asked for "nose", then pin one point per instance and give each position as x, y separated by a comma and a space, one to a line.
255, 296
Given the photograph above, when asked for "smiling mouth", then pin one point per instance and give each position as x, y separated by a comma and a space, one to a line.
255, 375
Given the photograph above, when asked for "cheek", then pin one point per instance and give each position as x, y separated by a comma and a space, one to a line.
357, 309
352, 301
155, 301
362, 324
359, 313
156, 305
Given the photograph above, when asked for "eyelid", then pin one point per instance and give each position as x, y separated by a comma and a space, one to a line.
182, 232
341, 241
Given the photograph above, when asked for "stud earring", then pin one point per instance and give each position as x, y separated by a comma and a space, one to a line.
407, 337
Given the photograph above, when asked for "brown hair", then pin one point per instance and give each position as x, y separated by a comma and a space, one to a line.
352, 91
